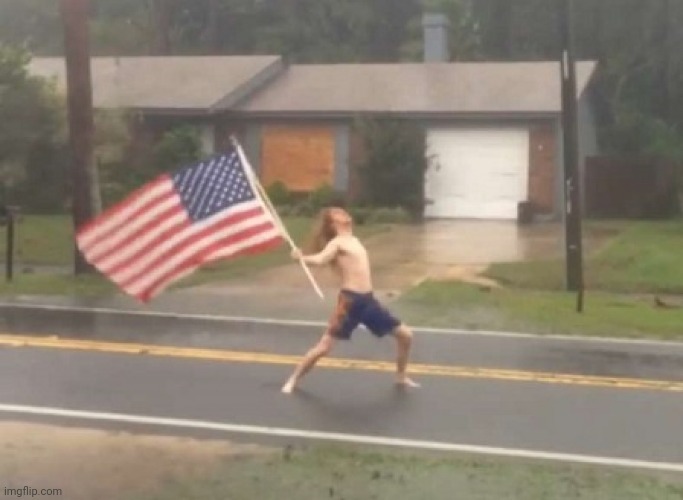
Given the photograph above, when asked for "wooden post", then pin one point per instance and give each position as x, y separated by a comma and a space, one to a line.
81, 122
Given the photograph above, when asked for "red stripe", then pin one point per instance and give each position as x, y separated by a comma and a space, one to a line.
116, 209
201, 258
123, 204
162, 236
206, 232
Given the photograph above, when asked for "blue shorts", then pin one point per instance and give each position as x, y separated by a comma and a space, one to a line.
360, 308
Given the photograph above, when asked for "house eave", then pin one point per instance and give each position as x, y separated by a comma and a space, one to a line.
408, 115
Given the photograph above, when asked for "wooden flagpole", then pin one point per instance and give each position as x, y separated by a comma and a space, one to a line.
256, 184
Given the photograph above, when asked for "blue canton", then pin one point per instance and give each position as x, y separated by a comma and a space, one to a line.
213, 185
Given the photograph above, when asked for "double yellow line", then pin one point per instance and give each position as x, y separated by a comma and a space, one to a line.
54, 342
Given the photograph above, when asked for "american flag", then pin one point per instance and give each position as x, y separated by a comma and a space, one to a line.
173, 225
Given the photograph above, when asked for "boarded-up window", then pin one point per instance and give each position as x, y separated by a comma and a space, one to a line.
301, 157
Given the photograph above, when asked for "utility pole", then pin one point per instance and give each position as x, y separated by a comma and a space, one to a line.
81, 122
573, 242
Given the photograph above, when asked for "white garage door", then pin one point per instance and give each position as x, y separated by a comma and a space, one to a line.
476, 173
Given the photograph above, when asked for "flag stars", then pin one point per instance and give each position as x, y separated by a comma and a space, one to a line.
210, 187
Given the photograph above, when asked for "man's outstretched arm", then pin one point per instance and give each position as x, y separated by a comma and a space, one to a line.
319, 259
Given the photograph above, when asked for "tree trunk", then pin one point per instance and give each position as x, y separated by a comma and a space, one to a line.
81, 122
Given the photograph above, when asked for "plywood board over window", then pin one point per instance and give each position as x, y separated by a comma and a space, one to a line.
301, 157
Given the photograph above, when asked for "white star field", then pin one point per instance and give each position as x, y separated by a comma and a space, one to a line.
213, 185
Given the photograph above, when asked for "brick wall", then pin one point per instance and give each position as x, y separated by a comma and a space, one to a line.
542, 166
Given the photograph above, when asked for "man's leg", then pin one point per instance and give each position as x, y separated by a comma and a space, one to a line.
322, 348
404, 340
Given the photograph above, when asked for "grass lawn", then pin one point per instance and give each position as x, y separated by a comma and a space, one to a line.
44, 248
460, 305
341, 473
42, 240
647, 257
644, 259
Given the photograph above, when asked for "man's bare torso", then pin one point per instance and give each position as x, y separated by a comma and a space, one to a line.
352, 264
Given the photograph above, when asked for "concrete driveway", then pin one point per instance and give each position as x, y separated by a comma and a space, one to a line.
462, 249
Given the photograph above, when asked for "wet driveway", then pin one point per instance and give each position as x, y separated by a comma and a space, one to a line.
407, 254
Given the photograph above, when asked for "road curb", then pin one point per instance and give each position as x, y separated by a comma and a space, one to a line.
30, 308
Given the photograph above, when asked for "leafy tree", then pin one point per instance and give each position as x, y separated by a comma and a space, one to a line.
637, 42
30, 114
463, 33
178, 147
394, 164
32, 24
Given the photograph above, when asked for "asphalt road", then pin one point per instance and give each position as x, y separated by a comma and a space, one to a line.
545, 396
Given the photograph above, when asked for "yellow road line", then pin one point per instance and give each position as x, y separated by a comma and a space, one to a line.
54, 342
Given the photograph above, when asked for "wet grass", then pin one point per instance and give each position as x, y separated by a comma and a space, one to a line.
57, 284
350, 474
624, 280
42, 240
44, 259
459, 305
646, 257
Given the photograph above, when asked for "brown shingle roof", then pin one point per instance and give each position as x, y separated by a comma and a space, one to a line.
429, 88
173, 83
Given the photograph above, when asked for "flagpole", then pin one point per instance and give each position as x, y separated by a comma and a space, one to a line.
253, 179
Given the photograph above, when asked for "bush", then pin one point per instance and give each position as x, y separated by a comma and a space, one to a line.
360, 214
369, 215
394, 166
32, 137
297, 204
119, 180
47, 182
177, 148
324, 196
279, 194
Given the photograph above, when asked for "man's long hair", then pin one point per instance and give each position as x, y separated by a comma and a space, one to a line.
322, 232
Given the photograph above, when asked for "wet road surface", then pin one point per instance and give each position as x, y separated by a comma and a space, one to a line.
516, 393
648, 360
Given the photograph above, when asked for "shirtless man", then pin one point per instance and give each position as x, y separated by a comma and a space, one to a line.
334, 243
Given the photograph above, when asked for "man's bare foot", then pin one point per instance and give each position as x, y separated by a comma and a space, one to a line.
405, 381
288, 387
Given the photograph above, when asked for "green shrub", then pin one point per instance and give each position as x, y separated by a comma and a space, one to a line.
394, 164
279, 194
178, 147
360, 214
322, 197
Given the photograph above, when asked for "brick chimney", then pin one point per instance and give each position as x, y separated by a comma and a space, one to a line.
435, 28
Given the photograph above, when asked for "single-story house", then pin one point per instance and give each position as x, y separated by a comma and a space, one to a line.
166, 91
494, 129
